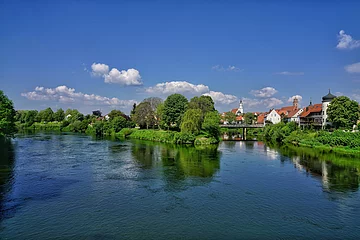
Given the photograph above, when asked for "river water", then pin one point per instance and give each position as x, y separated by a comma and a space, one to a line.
59, 186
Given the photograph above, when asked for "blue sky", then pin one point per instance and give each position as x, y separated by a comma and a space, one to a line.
107, 54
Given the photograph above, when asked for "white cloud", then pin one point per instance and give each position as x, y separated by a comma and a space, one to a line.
178, 87
291, 99
353, 68
290, 73
272, 102
99, 69
130, 77
221, 98
264, 92
223, 69
64, 94
346, 41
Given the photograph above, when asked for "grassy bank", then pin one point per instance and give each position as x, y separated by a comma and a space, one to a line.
337, 141
166, 136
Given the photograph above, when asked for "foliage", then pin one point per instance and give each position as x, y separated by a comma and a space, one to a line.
175, 106
118, 123
116, 113
249, 118
59, 115
144, 115
125, 132
46, 115
211, 124
191, 122
343, 112
7, 116
204, 103
230, 117
154, 102
163, 136
158, 115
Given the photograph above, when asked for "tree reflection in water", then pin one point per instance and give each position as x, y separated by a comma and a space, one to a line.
7, 157
337, 173
179, 163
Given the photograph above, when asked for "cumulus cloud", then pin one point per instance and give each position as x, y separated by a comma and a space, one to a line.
290, 73
178, 87
223, 69
353, 68
264, 92
64, 94
291, 99
221, 98
130, 77
346, 41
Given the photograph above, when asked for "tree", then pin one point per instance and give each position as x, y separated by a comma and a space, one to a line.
211, 124
7, 116
59, 115
343, 112
154, 102
191, 122
175, 106
230, 117
46, 115
117, 113
204, 103
30, 117
144, 115
133, 111
118, 123
74, 115
159, 114
249, 118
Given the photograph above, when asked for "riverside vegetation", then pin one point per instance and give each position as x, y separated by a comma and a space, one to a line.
176, 120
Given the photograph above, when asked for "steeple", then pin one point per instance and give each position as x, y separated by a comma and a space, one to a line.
310, 102
296, 102
241, 108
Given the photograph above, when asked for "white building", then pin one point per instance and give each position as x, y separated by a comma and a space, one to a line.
273, 117
326, 100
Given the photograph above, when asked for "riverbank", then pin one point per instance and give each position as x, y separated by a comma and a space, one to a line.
339, 141
166, 136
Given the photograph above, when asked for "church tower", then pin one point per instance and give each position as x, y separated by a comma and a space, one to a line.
326, 100
240, 109
296, 103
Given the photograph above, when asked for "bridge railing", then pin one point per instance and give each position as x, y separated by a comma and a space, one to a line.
242, 125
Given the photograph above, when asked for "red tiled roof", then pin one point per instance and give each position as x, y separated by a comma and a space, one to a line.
239, 118
292, 113
234, 110
261, 118
311, 109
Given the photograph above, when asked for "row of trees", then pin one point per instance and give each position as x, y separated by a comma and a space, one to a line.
177, 113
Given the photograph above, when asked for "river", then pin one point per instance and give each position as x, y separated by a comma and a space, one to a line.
64, 186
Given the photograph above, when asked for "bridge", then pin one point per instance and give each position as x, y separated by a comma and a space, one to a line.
243, 126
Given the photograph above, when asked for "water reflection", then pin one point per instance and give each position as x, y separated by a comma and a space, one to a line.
337, 173
178, 163
7, 157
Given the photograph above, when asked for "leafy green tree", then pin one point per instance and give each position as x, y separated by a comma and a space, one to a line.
211, 124
204, 103
159, 114
133, 110
118, 123
59, 115
7, 116
30, 117
46, 115
343, 112
175, 106
249, 118
144, 115
74, 115
154, 102
191, 122
115, 113
230, 117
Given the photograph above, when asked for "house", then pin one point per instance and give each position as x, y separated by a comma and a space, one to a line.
237, 111
311, 116
273, 116
293, 116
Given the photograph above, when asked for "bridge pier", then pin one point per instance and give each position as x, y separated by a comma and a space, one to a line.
244, 133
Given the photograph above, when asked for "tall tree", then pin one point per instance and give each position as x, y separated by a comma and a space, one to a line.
154, 102
211, 124
144, 115
204, 103
343, 112
7, 116
175, 106
30, 117
117, 113
191, 122
59, 115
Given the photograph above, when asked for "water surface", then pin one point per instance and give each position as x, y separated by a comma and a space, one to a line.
77, 187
